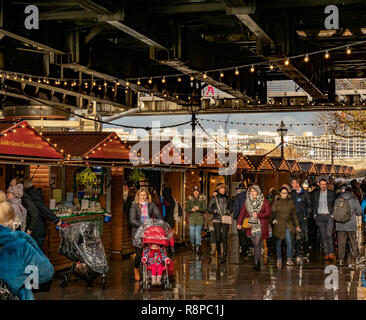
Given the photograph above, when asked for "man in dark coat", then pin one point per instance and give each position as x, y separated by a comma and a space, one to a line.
303, 212
44, 213
323, 203
239, 201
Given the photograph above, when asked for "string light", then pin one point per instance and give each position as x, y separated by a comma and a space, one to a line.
236, 71
105, 84
221, 74
138, 82
287, 62
306, 59
179, 79
127, 83
252, 69
191, 78
39, 80
163, 80
271, 67
348, 50
205, 75
150, 81
117, 83
326, 56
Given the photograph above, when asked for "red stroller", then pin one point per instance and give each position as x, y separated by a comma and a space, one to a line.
159, 233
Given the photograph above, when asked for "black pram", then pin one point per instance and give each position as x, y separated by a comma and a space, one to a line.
81, 243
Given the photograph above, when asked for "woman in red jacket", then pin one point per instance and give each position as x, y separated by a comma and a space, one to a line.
258, 209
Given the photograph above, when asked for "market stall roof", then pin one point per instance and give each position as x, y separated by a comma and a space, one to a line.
20, 142
280, 164
352, 171
260, 163
294, 166
321, 168
339, 169
89, 145
346, 170
331, 169
218, 159
308, 167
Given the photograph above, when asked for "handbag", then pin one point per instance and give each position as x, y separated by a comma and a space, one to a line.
226, 219
246, 224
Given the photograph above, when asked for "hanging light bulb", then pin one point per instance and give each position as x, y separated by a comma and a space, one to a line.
105, 83
205, 75
94, 83
22, 78
306, 59
30, 79
138, 82
150, 81
326, 56
271, 67
113, 89
221, 74
65, 83
117, 83
7, 76
179, 79
99, 88
127, 83
191, 78
348, 50
287, 62
39, 80
176, 96
252, 69
163, 80
237, 71
15, 77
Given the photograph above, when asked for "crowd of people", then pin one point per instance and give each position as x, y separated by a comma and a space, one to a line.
23, 227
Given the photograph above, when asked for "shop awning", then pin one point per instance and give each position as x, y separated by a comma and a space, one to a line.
89, 145
331, 169
20, 141
352, 171
261, 163
339, 169
347, 171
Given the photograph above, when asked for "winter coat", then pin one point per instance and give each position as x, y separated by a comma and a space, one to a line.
331, 197
34, 222
225, 204
356, 210
19, 250
135, 215
363, 204
19, 211
284, 213
154, 257
263, 216
44, 212
196, 217
303, 206
238, 203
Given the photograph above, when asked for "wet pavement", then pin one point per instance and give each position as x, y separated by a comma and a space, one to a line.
201, 277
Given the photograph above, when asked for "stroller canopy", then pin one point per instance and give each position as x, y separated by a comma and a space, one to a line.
81, 242
154, 231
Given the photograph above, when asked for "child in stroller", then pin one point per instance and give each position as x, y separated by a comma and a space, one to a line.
153, 237
154, 253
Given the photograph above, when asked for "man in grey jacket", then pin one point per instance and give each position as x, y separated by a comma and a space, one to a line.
347, 230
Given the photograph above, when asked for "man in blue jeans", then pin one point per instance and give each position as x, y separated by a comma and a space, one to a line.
195, 208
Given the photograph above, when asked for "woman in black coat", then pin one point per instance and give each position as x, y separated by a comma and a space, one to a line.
142, 209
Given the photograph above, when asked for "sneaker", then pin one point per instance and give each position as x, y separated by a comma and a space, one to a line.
290, 263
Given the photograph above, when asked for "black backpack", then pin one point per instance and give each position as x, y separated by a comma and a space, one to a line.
342, 211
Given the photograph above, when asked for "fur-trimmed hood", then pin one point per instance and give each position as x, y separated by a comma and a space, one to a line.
200, 197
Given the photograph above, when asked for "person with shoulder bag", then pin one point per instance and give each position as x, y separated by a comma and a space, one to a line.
221, 207
256, 212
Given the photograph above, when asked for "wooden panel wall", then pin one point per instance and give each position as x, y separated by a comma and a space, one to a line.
41, 179
191, 181
121, 235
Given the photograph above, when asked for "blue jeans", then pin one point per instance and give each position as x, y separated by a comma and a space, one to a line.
288, 238
195, 234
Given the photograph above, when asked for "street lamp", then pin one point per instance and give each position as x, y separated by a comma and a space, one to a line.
332, 144
282, 130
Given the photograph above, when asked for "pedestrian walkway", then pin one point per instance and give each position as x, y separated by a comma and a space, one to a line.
200, 277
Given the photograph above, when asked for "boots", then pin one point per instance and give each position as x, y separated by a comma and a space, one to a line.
218, 249
213, 248
137, 274
223, 260
158, 280
153, 280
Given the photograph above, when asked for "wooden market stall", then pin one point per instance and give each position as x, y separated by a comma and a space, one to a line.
100, 155
282, 172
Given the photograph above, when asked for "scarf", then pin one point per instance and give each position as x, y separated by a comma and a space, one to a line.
254, 206
144, 212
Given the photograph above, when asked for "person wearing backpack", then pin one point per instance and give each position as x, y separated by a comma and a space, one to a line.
346, 208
